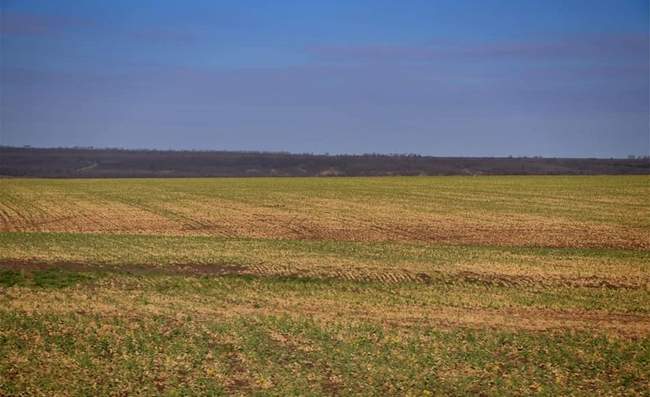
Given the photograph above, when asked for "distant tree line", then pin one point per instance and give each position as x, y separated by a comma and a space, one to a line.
88, 162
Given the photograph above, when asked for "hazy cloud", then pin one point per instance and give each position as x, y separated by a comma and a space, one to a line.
628, 46
44, 25
32, 24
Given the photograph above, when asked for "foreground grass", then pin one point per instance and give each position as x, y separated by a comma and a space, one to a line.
157, 334
153, 333
299, 356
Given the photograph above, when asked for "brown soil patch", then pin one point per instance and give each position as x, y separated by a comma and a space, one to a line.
548, 281
352, 275
177, 269
310, 219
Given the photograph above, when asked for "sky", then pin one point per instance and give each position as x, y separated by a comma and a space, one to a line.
565, 78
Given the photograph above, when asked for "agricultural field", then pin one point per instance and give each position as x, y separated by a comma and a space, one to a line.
325, 286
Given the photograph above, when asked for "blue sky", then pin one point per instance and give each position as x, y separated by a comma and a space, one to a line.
470, 78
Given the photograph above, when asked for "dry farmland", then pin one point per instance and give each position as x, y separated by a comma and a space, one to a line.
325, 286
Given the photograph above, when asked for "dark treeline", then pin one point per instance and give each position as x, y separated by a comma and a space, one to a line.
100, 163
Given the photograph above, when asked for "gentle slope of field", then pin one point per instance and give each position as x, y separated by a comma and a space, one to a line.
450, 285
523, 211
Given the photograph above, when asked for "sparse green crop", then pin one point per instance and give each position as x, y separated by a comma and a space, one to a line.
343, 286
